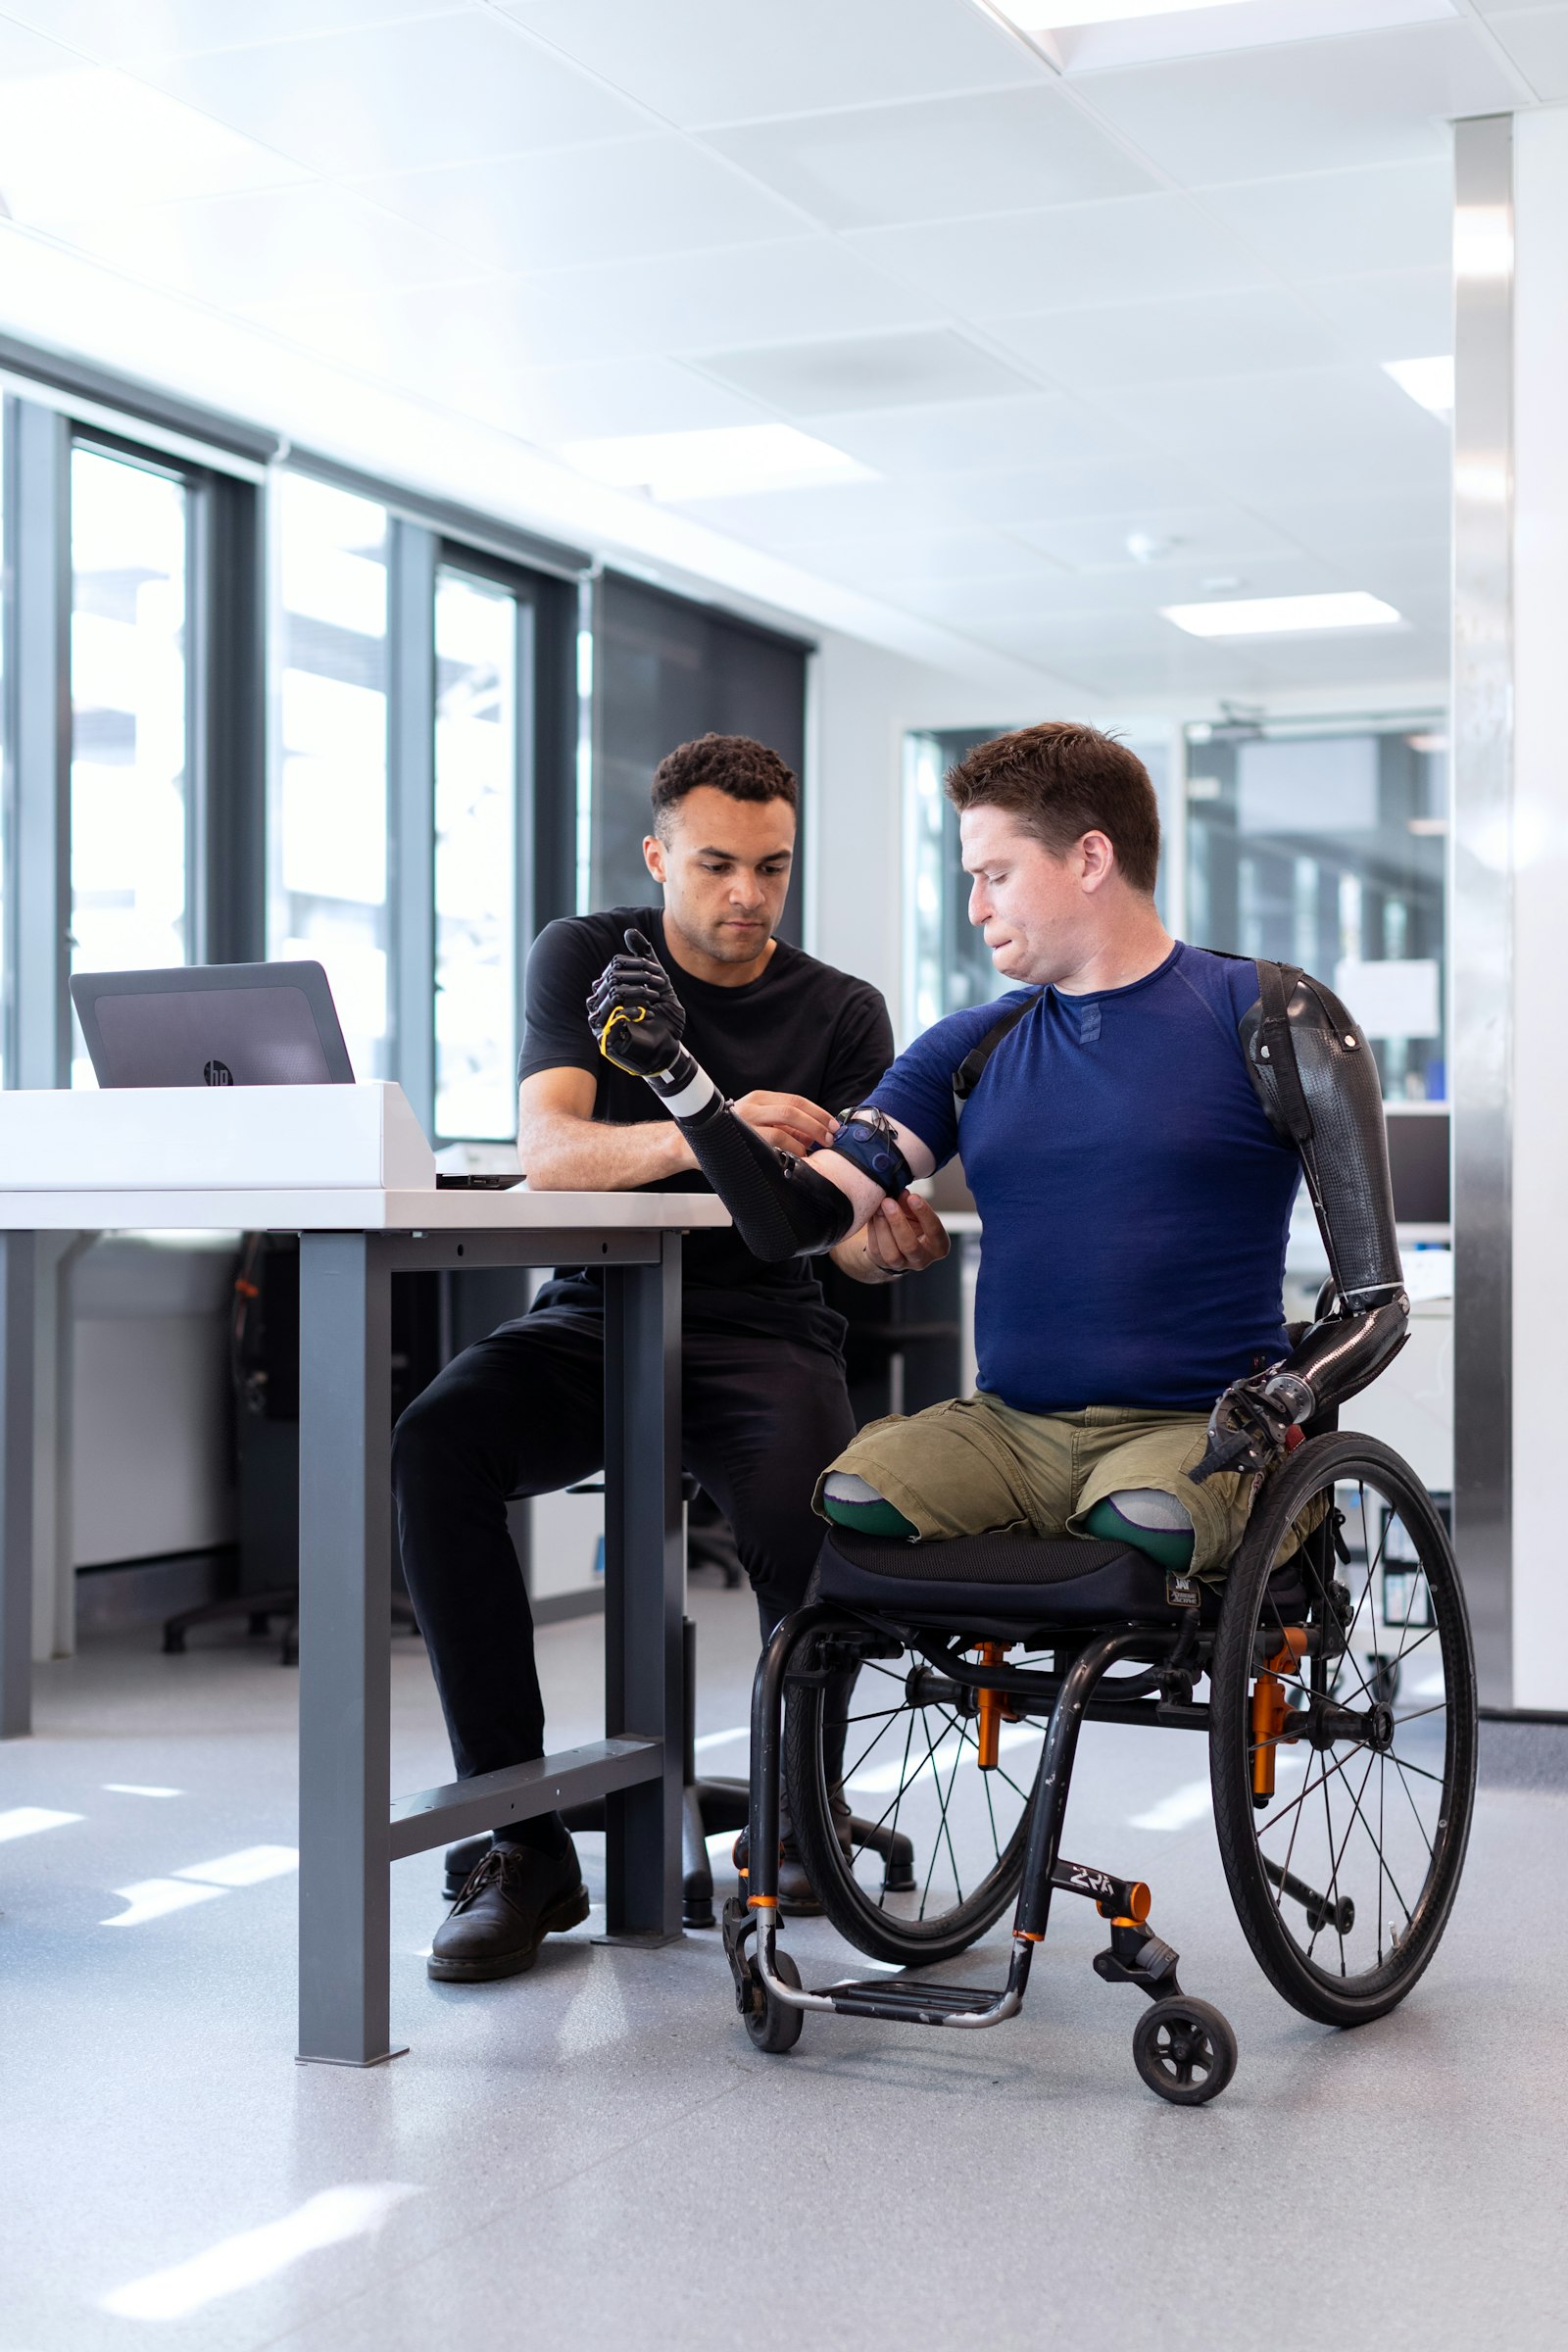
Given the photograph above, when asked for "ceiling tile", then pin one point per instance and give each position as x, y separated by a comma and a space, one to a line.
1344, 223
310, 245
1537, 39
556, 405
791, 519
431, 90
1381, 97
1250, 333
1079, 489
121, 33
1375, 519
959, 437
528, 213
1132, 249
27, 52
865, 372
1305, 409
1133, 590
873, 165
881, 558
1213, 537
724, 61
1393, 315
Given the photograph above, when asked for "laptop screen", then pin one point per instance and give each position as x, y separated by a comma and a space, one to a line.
257, 1024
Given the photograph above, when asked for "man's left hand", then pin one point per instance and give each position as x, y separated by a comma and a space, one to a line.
905, 1235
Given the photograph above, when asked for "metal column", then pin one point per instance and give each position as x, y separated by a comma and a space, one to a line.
18, 1254
1481, 898
345, 1641
644, 1575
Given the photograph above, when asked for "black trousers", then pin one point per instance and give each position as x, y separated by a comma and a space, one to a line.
522, 1414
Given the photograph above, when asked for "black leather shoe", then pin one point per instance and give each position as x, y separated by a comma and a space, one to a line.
513, 1900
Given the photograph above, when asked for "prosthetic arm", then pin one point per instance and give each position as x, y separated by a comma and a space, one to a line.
781, 1206
1315, 1076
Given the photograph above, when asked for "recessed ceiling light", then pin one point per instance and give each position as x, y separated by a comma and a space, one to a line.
1064, 16
721, 463
1429, 382
1278, 615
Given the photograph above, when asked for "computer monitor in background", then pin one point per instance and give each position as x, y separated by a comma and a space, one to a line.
213, 1024
1418, 1163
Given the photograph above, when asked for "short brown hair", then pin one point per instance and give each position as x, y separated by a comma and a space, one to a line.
734, 764
1062, 780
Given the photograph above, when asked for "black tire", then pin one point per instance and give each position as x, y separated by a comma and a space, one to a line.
912, 1767
773, 2026
1373, 1839
1185, 2050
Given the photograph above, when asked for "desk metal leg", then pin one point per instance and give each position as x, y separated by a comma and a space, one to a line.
644, 1577
345, 1638
18, 1260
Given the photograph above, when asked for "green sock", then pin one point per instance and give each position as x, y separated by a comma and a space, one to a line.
866, 1512
1167, 1547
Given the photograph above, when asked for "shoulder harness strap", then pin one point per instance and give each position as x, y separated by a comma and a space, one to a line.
966, 1077
1276, 985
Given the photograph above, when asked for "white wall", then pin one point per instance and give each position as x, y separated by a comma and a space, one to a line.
1539, 898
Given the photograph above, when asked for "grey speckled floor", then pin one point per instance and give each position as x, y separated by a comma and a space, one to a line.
595, 2154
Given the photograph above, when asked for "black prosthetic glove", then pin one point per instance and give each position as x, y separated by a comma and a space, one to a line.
1249, 1425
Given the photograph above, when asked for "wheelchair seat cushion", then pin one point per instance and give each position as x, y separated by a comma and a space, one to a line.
997, 1584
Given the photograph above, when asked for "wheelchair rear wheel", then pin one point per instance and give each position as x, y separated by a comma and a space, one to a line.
1343, 1730
912, 1781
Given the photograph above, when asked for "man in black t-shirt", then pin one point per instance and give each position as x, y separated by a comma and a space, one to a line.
764, 1401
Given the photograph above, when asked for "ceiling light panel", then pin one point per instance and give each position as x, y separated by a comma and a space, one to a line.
1429, 382
1275, 615
707, 61
1325, 105
90, 141
1071, 256
939, 159
717, 464
527, 213
390, 97
869, 371
1109, 35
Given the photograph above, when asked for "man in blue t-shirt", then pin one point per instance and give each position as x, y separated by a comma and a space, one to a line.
1134, 1119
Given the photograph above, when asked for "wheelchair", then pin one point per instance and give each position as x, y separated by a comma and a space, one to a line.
940, 1689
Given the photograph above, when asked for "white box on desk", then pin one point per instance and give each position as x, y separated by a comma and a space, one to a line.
213, 1139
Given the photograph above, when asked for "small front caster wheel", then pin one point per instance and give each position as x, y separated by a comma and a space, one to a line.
1185, 2050
773, 2025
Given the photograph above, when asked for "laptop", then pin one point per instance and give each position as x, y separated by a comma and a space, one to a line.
213, 1024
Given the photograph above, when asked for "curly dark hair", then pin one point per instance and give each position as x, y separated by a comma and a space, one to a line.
732, 763
1062, 780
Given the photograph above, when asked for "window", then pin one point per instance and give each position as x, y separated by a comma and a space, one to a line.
329, 829
476, 813
130, 695
1325, 845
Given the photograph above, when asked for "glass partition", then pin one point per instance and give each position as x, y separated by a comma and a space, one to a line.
476, 638
1325, 845
328, 831
129, 696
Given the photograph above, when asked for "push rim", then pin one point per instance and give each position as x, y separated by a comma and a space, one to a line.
911, 1772
1344, 1730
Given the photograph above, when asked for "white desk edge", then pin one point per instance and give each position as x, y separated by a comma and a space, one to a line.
301, 1208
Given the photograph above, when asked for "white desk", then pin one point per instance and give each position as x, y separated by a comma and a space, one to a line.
352, 1242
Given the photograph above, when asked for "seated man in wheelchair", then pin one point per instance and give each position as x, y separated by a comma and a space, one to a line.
1134, 1119
1135, 1481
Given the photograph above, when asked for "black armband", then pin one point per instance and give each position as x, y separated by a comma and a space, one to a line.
866, 1139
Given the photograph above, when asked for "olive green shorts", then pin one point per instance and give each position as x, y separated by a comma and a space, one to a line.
975, 1465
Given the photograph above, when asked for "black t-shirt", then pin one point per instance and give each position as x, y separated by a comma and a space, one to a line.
800, 1028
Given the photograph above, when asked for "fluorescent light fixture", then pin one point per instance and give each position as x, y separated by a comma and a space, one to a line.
1282, 616
1065, 15
724, 461
1429, 382
329, 2219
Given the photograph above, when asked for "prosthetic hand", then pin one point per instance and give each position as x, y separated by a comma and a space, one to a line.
1251, 1425
781, 1207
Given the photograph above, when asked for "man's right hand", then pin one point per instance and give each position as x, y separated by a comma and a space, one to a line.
789, 1122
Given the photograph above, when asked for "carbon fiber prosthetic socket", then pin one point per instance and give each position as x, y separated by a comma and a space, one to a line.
1346, 1163
781, 1207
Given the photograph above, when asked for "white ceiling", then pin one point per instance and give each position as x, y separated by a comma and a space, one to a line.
1050, 309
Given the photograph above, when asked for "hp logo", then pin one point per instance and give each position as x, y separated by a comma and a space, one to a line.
217, 1073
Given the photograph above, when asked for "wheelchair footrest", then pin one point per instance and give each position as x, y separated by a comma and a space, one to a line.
915, 2004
